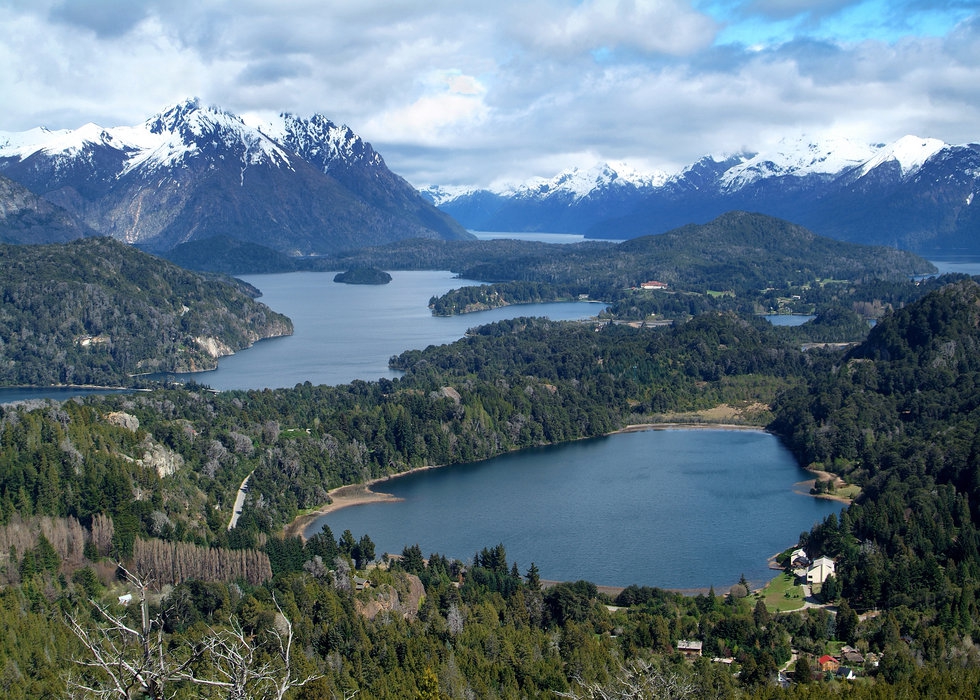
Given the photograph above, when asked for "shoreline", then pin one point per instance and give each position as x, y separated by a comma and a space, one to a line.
346, 496
686, 425
362, 493
823, 476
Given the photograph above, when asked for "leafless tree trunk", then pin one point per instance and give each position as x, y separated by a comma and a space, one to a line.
639, 680
126, 661
232, 662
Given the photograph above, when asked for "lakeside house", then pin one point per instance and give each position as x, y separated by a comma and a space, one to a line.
820, 570
798, 559
653, 284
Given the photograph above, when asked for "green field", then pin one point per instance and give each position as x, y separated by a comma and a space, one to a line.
782, 594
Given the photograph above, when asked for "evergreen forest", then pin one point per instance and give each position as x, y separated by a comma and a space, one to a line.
149, 544
122, 577
99, 312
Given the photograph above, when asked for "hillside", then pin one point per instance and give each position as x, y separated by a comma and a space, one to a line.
96, 311
25, 216
899, 416
739, 251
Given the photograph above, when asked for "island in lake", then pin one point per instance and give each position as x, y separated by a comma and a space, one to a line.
363, 275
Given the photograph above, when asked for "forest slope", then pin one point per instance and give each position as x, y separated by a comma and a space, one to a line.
96, 311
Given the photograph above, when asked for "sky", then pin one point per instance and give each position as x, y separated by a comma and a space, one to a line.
466, 93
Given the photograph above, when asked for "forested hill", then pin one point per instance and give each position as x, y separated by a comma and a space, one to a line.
746, 250
151, 478
96, 311
901, 416
738, 251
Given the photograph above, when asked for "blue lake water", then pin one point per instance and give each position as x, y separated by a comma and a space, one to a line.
678, 509
788, 319
672, 508
344, 332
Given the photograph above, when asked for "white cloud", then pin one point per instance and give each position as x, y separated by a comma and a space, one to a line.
467, 93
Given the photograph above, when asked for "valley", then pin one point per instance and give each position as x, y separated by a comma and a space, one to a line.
126, 526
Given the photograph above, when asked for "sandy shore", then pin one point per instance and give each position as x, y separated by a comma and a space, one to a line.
686, 426
346, 496
805, 487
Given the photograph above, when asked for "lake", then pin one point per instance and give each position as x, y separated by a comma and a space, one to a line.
344, 332
678, 509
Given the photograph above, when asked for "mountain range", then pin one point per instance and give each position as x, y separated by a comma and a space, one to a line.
299, 186
916, 194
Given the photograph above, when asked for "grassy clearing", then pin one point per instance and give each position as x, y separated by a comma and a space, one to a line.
782, 594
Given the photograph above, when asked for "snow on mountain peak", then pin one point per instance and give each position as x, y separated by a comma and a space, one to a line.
316, 139
188, 128
69, 142
578, 183
799, 157
911, 152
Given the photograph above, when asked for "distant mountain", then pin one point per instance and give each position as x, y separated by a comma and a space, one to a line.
96, 311
917, 194
297, 186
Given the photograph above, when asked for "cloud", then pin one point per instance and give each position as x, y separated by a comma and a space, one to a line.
650, 26
106, 18
469, 93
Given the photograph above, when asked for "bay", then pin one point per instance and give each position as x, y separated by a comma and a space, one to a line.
680, 509
344, 332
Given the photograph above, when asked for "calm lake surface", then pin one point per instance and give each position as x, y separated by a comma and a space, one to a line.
678, 509
672, 508
344, 332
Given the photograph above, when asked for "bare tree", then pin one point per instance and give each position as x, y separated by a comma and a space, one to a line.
454, 620
639, 680
233, 662
125, 660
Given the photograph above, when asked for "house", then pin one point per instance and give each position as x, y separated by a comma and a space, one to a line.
819, 570
361, 583
126, 599
845, 674
829, 663
852, 656
799, 558
653, 284
689, 648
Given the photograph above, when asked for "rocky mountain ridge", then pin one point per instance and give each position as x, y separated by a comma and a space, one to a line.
298, 186
915, 193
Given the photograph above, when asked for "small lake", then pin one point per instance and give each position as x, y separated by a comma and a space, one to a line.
678, 509
788, 319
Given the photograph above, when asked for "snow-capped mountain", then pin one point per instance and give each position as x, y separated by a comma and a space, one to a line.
916, 193
299, 186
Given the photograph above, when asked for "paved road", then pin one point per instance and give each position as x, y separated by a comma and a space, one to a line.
239, 502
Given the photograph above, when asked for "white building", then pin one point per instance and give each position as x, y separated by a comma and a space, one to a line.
819, 570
